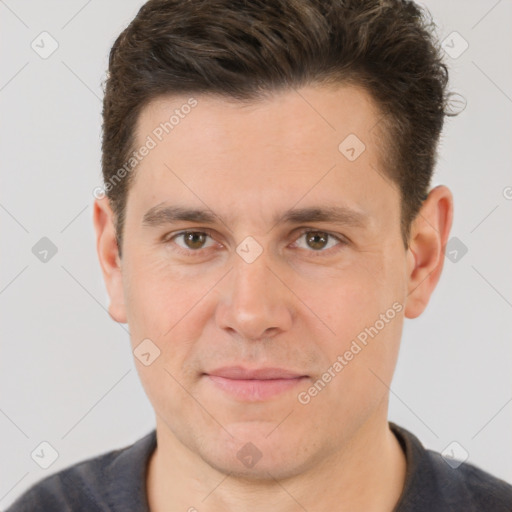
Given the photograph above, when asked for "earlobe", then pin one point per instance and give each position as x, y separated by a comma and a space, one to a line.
110, 261
425, 258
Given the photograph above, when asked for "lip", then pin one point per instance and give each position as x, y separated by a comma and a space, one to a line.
254, 385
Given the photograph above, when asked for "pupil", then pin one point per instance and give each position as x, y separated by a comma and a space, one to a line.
195, 240
317, 239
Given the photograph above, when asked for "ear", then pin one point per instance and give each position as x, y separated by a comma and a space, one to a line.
108, 254
425, 255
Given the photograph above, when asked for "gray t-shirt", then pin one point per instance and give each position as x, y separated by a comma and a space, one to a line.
116, 482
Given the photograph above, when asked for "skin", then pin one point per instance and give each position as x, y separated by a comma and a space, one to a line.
298, 306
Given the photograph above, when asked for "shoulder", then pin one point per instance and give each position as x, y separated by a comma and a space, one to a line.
471, 485
99, 483
435, 483
78, 487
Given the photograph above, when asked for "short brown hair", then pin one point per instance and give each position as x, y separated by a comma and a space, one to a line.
245, 50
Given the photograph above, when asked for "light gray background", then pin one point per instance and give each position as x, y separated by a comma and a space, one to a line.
67, 375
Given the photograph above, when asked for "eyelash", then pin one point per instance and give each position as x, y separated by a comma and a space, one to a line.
194, 253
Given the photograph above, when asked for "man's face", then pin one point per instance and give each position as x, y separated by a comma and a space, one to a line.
252, 308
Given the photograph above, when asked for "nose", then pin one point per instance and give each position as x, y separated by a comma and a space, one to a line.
254, 303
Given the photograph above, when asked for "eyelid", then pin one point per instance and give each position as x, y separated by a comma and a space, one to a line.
338, 237
169, 237
309, 229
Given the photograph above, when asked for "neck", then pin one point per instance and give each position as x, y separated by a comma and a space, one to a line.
365, 475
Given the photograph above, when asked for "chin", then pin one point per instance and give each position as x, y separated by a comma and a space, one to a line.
253, 454
279, 468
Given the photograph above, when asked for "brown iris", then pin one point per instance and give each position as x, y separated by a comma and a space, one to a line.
317, 239
194, 239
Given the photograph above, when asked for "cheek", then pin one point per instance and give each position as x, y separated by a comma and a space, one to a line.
353, 297
363, 305
156, 294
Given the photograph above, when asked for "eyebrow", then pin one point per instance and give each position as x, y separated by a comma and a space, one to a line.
163, 214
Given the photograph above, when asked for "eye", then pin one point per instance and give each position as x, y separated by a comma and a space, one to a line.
318, 241
191, 240
314, 241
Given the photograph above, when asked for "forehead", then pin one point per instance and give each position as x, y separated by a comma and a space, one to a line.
289, 118
315, 142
